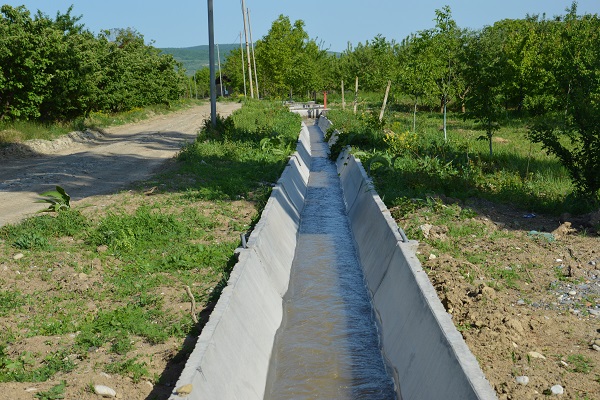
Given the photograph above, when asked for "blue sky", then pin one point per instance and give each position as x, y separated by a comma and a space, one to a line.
183, 23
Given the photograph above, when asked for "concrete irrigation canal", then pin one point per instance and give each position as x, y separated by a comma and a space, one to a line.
328, 301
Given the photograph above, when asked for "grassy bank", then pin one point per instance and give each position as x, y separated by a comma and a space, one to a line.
413, 165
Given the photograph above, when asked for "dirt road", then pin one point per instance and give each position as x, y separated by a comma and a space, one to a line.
94, 165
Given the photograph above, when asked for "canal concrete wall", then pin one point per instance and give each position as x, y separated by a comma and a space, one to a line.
232, 354
427, 355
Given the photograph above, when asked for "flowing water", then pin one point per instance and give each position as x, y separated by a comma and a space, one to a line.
327, 346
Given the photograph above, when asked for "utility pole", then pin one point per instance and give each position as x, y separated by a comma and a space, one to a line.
211, 56
253, 56
220, 75
247, 49
243, 65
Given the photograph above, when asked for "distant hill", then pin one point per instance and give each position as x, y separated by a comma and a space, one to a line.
195, 58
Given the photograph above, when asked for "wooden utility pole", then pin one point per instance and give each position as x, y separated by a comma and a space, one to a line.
247, 49
343, 97
253, 56
387, 91
220, 75
355, 94
243, 65
211, 56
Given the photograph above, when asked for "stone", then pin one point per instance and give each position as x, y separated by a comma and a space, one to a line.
102, 249
557, 390
522, 380
432, 256
535, 354
184, 390
18, 256
426, 228
105, 391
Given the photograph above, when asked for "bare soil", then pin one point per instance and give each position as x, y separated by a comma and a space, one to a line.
526, 303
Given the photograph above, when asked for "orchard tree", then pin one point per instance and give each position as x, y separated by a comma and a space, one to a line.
444, 45
288, 60
374, 63
23, 62
412, 72
486, 66
571, 131
202, 80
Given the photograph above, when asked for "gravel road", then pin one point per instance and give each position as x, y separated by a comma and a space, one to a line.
87, 164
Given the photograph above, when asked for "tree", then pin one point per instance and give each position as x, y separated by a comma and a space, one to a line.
412, 73
571, 129
444, 43
23, 63
202, 77
287, 60
486, 63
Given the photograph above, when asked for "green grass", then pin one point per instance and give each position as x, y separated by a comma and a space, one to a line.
519, 172
580, 363
185, 234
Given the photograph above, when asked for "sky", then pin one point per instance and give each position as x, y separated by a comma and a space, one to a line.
333, 23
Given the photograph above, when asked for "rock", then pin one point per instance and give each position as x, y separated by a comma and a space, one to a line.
432, 256
425, 228
104, 391
82, 276
184, 390
18, 256
557, 390
596, 347
102, 249
520, 302
522, 380
572, 293
564, 230
535, 354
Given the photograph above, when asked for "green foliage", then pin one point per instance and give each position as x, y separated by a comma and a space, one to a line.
58, 199
571, 130
130, 367
54, 393
461, 167
580, 363
287, 60
24, 369
30, 241
64, 223
55, 70
10, 302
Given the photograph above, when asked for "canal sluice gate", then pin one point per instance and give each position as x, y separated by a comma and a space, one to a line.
328, 301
